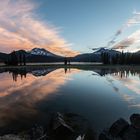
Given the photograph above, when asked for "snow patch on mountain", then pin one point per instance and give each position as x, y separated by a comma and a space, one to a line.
42, 52
106, 50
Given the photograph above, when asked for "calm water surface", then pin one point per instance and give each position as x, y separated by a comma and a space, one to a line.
29, 95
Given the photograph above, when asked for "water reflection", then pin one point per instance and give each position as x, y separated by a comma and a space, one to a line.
24, 93
122, 73
42, 71
36, 71
20, 99
129, 78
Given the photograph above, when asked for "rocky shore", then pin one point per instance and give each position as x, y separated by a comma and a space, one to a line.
74, 127
122, 130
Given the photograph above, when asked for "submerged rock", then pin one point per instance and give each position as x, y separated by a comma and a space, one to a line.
130, 134
118, 127
70, 127
60, 129
122, 130
104, 136
135, 120
74, 127
59, 122
37, 133
80, 137
11, 137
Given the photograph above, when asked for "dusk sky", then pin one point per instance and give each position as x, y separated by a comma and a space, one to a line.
68, 27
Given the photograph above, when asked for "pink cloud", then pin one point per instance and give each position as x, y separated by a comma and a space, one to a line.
20, 29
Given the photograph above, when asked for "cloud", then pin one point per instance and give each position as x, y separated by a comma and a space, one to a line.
21, 29
133, 21
113, 40
135, 106
129, 41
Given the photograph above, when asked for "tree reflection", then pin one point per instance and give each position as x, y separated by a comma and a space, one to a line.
16, 72
122, 73
43, 71
35, 71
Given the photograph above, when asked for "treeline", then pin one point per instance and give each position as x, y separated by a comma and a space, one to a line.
121, 58
16, 59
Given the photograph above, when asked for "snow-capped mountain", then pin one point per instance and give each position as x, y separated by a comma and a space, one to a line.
41, 72
41, 51
106, 50
96, 55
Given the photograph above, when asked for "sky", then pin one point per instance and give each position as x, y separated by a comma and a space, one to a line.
69, 27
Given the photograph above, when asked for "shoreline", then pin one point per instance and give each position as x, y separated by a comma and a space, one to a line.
71, 66
74, 127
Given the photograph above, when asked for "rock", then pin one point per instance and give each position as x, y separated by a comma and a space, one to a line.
70, 126
104, 136
80, 137
11, 137
118, 128
60, 122
130, 134
60, 129
121, 130
135, 120
90, 135
37, 132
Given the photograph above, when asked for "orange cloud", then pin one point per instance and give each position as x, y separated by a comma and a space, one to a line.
25, 94
20, 29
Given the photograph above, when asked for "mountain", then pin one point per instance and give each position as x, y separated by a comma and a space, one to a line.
42, 52
40, 59
42, 72
95, 56
36, 55
87, 57
105, 50
42, 55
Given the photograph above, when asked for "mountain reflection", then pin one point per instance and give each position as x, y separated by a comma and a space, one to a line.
43, 71
35, 71
19, 99
22, 72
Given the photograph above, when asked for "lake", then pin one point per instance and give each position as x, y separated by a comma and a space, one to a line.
101, 95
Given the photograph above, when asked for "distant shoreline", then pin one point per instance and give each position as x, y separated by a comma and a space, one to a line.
74, 65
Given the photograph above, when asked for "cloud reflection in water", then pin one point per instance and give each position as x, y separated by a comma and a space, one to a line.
129, 80
19, 98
